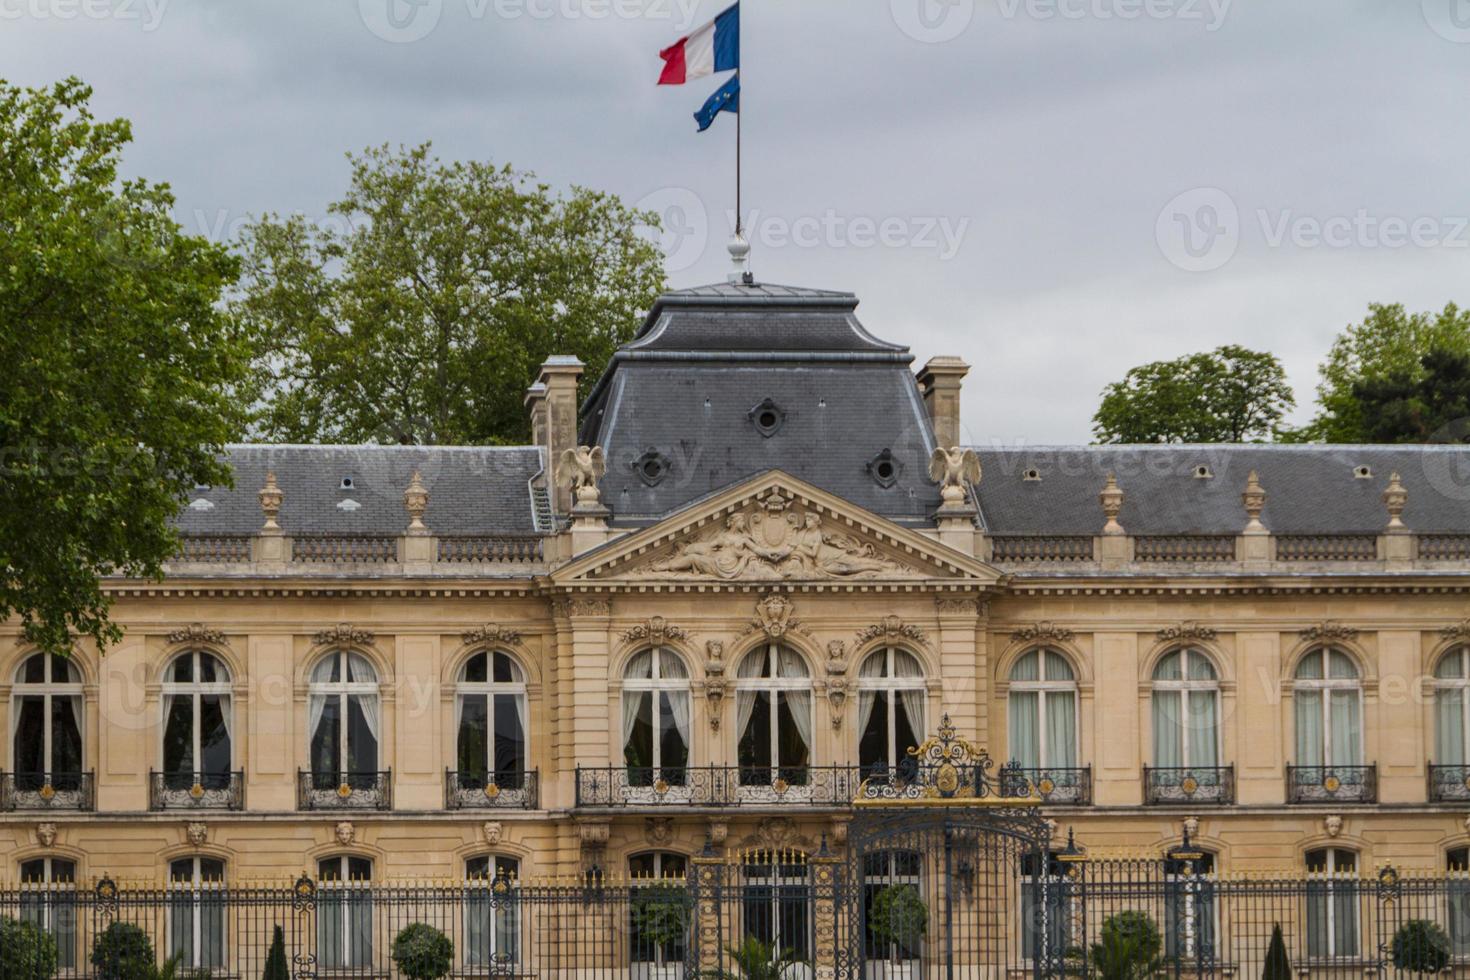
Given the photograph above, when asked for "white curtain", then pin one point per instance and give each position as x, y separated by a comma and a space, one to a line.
521, 708
754, 665
633, 702
369, 705
789, 664
1168, 732
1346, 730
679, 708
913, 698
800, 705
226, 704
1449, 727
640, 667
1024, 733
1061, 729
1309, 739
1203, 740
316, 707
874, 666
670, 667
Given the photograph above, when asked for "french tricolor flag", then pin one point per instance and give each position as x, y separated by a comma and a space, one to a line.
713, 47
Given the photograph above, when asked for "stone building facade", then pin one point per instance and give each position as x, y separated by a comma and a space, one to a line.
759, 590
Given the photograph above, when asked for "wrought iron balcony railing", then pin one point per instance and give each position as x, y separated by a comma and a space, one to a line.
196, 790
1449, 784
717, 786
344, 790
1212, 785
492, 790
47, 791
1060, 786
1332, 784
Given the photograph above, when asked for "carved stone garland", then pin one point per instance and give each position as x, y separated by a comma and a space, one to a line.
892, 628
1327, 631
343, 634
1186, 631
197, 633
656, 631
491, 633
1042, 631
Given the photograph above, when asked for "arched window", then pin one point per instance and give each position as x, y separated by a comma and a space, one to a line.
48, 900
891, 884
1332, 903
1043, 711
344, 721
344, 919
1329, 710
773, 707
891, 695
46, 715
658, 897
490, 705
492, 923
1452, 708
1186, 711
196, 912
198, 723
656, 726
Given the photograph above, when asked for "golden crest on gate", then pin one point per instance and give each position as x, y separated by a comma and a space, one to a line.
947, 778
1332, 784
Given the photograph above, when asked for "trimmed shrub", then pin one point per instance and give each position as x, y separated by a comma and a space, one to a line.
123, 952
899, 916
275, 961
1420, 946
1127, 948
423, 952
1278, 964
27, 952
661, 913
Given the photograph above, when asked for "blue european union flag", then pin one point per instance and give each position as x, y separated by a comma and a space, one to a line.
725, 99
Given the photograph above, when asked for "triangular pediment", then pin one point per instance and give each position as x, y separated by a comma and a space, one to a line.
774, 528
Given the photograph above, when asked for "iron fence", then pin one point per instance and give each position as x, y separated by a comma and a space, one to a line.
828, 915
717, 786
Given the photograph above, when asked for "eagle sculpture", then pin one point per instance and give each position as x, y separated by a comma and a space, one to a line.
581, 469
954, 469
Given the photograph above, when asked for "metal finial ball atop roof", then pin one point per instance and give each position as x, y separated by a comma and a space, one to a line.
740, 273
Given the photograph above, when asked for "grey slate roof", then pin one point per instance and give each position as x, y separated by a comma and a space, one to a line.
480, 490
686, 385
1309, 489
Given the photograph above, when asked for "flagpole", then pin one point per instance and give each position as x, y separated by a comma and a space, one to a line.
739, 214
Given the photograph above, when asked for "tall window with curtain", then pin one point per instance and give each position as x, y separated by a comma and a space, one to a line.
1186, 711
1332, 903
196, 913
197, 723
46, 710
344, 912
1043, 711
343, 722
492, 922
48, 900
1452, 708
656, 718
490, 722
1329, 710
890, 702
773, 708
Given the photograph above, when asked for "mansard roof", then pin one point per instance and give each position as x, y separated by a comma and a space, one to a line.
687, 385
477, 490
1310, 489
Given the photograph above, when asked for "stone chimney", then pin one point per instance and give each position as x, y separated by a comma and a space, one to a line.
940, 380
552, 403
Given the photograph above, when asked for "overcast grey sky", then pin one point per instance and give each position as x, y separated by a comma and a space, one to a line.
1055, 190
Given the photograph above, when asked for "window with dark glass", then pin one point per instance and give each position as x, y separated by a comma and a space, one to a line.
656, 718
776, 905
892, 894
344, 918
491, 724
773, 707
196, 912
891, 696
1332, 903
344, 721
1457, 899
492, 919
197, 723
659, 912
1043, 907
1191, 915
46, 715
48, 900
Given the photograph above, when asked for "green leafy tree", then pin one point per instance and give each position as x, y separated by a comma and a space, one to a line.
1431, 404
1389, 343
422, 952
1420, 946
1230, 394
420, 319
120, 368
899, 916
27, 952
1278, 964
1128, 948
276, 967
661, 913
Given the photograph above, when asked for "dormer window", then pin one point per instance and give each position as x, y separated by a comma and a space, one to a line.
884, 468
652, 467
347, 483
1203, 472
1032, 475
767, 417
1363, 472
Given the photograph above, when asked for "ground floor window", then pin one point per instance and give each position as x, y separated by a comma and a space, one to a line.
1457, 899
1332, 903
196, 912
776, 906
659, 913
492, 917
344, 930
894, 914
48, 901
1190, 915
1043, 923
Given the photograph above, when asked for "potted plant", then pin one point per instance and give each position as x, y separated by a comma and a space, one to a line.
1420, 946
276, 967
1127, 948
899, 917
661, 913
422, 952
27, 952
755, 960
